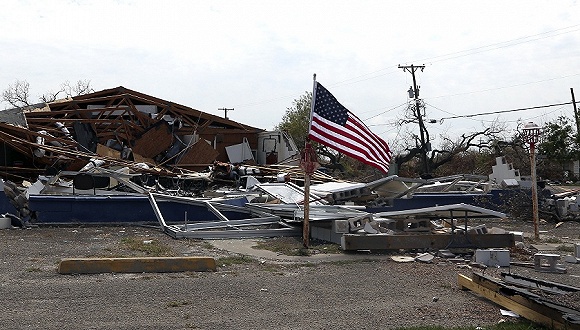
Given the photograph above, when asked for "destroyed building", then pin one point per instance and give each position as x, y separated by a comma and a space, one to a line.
122, 126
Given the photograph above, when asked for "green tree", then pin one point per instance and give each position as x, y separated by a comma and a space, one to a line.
558, 140
296, 119
559, 143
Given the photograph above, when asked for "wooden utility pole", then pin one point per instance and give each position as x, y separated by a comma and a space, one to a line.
423, 132
225, 110
575, 111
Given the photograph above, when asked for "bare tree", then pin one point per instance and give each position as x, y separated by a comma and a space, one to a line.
82, 87
50, 96
477, 140
18, 94
449, 148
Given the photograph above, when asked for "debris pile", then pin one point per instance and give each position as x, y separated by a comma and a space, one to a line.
123, 128
551, 304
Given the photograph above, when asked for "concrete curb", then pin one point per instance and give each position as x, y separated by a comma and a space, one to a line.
136, 265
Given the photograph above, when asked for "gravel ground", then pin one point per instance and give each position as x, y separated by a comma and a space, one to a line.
359, 291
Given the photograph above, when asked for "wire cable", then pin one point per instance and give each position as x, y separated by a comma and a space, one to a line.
505, 111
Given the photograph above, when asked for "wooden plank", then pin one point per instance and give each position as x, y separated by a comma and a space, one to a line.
530, 314
526, 304
525, 298
105, 151
140, 159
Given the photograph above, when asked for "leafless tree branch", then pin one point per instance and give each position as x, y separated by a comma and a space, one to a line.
18, 94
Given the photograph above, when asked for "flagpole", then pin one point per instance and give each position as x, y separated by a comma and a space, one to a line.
313, 99
307, 153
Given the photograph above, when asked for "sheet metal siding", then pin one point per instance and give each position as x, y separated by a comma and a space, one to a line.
97, 209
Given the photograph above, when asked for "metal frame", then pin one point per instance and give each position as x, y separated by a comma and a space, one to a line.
225, 228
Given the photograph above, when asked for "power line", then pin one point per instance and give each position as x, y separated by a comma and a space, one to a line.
391, 109
444, 57
504, 87
504, 111
502, 44
466, 52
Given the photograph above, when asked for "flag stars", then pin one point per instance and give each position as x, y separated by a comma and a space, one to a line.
329, 108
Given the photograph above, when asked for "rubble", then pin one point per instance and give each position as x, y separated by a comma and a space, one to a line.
547, 307
121, 146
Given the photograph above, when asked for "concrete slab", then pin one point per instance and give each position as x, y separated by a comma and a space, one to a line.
445, 254
425, 257
572, 259
546, 246
136, 265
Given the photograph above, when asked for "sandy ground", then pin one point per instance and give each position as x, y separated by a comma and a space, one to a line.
251, 288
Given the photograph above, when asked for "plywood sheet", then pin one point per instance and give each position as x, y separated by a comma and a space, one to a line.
200, 153
153, 142
105, 151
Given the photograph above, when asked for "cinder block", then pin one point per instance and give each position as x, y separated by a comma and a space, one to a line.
358, 223
389, 224
136, 265
493, 257
371, 228
481, 229
414, 225
340, 226
548, 263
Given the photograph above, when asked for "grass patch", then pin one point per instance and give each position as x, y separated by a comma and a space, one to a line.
234, 260
178, 303
149, 247
206, 245
348, 261
306, 264
565, 248
33, 269
192, 274
552, 240
274, 269
293, 246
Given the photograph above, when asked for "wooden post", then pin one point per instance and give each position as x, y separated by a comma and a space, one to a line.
308, 163
306, 224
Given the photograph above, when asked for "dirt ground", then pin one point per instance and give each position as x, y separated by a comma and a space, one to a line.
251, 288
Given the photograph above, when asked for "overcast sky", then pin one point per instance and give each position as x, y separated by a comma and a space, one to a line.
259, 56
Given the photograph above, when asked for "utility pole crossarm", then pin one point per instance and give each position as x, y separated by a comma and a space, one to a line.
225, 110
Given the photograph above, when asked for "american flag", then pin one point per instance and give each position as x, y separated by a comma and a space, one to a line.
336, 127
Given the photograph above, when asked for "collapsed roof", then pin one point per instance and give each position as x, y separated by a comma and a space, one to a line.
117, 126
